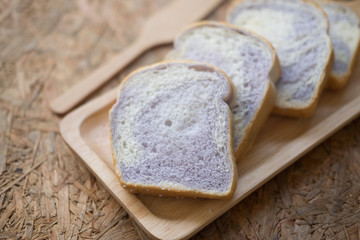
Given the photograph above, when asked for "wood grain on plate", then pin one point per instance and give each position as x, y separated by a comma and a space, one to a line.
281, 142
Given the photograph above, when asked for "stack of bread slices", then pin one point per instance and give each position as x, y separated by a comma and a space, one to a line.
179, 126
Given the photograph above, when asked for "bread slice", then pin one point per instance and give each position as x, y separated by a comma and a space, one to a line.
171, 131
248, 60
298, 30
345, 37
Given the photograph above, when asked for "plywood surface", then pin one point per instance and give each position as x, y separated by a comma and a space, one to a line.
46, 192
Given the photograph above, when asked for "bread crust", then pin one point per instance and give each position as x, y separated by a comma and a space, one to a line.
294, 111
258, 122
174, 192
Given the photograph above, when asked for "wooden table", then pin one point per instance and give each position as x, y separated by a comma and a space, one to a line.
46, 191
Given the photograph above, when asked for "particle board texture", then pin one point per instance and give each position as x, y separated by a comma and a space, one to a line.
46, 192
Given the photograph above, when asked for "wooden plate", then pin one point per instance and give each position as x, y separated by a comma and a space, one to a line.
281, 142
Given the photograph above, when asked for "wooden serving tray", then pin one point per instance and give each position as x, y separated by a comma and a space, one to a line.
280, 143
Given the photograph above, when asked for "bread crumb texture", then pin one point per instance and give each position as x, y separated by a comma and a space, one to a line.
298, 31
171, 129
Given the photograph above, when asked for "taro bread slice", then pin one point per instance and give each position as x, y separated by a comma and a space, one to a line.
248, 60
298, 30
345, 37
171, 131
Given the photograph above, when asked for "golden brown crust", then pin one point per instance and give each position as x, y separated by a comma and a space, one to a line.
154, 190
